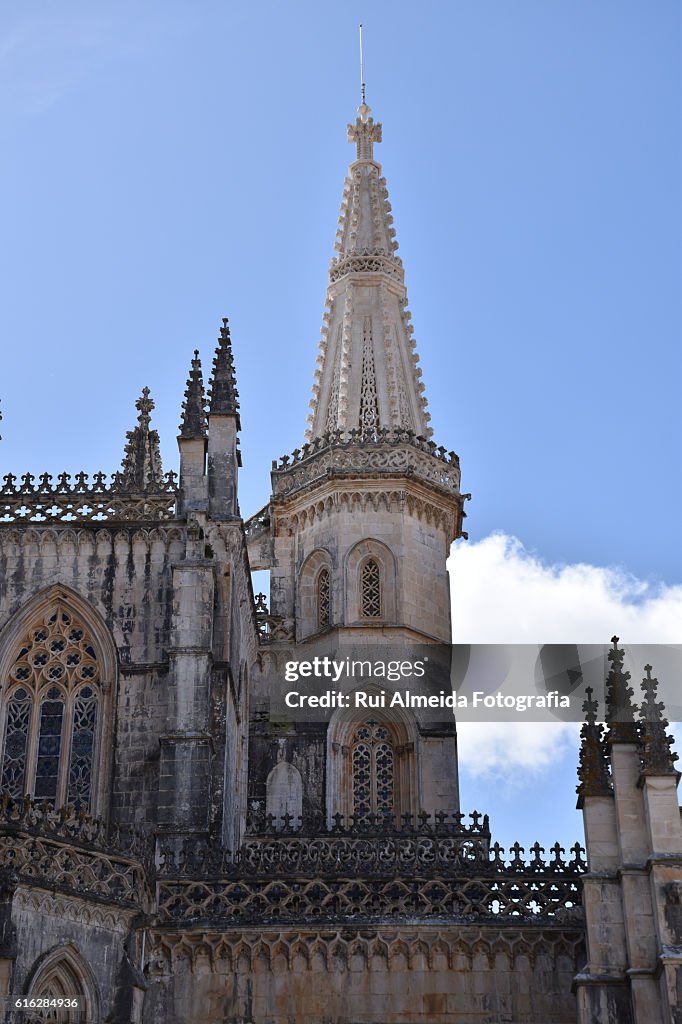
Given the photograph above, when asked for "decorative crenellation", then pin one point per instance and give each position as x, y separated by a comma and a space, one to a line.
388, 948
433, 845
347, 438
68, 499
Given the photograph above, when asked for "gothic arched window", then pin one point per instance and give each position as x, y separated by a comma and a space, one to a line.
370, 589
373, 769
323, 598
60, 976
52, 712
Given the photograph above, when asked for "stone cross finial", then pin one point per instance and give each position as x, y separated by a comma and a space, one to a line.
141, 467
144, 405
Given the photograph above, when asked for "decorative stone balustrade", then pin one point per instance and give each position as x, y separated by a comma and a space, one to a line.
61, 849
378, 452
81, 498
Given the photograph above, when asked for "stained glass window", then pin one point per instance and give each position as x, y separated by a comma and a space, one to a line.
19, 709
51, 713
373, 771
323, 599
371, 589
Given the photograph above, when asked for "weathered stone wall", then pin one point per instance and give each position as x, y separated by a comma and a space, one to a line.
125, 573
395, 975
95, 935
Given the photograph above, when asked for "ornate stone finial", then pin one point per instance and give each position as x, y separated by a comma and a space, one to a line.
620, 711
223, 394
593, 769
194, 406
657, 757
144, 405
141, 466
364, 133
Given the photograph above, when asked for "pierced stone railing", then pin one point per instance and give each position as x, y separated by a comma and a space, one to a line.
270, 627
385, 452
440, 844
332, 879
257, 524
339, 900
67, 824
82, 498
61, 849
366, 261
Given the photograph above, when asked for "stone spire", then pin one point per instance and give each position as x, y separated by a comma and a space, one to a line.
657, 757
620, 711
194, 407
368, 376
224, 397
593, 770
141, 466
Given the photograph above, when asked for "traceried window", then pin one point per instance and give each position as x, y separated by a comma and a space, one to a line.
370, 589
372, 763
323, 599
51, 713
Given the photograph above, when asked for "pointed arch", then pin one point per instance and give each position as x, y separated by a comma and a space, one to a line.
371, 589
58, 671
391, 747
315, 594
63, 972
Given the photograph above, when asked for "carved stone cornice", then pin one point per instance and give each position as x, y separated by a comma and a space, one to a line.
379, 454
406, 946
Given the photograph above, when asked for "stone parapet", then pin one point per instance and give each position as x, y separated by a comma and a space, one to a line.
374, 453
83, 498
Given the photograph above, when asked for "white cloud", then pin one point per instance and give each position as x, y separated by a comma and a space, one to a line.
502, 593
493, 748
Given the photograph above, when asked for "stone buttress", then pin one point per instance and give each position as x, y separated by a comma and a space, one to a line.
633, 891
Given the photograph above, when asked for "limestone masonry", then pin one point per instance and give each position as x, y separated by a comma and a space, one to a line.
176, 850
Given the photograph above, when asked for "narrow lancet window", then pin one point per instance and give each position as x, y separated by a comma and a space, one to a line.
19, 710
373, 773
371, 589
323, 599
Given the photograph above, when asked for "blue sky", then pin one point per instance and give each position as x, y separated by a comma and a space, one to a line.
166, 164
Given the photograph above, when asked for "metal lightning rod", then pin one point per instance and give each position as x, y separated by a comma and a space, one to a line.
362, 71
